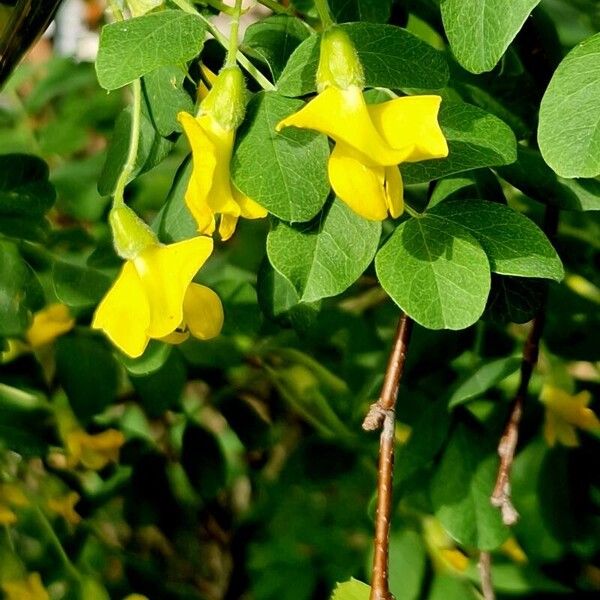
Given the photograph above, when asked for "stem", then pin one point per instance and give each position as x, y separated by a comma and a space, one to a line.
233, 35
325, 15
382, 414
485, 574
51, 536
134, 140
264, 83
501, 497
276, 7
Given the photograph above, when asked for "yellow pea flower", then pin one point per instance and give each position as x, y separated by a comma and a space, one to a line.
211, 135
65, 507
31, 588
48, 324
442, 549
370, 140
93, 450
154, 296
565, 413
11, 496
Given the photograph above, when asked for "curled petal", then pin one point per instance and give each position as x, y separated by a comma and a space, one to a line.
394, 191
248, 207
361, 187
48, 324
227, 226
343, 116
165, 273
124, 313
203, 312
410, 124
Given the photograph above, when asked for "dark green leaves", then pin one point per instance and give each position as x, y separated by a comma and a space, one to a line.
25, 195
375, 11
461, 490
351, 590
480, 31
391, 57
79, 286
475, 139
325, 259
436, 272
284, 172
569, 131
132, 48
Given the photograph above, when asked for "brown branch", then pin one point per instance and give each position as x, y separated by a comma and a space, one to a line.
382, 414
501, 496
485, 574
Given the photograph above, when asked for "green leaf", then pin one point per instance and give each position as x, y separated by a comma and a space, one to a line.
569, 129
375, 11
154, 357
532, 176
273, 40
325, 259
408, 560
481, 183
475, 139
284, 172
448, 587
152, 149
25, 195
515, 299
484, 378
20, 292
480, 31
461, 490
515, 245
79, 286
88, 372
132, 48
165, 98
391, 57
351, 590
436, 271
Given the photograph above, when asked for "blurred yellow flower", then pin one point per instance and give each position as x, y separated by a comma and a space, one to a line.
211, 135
444, 554
565, 413
370, 140
93, 451
11, 496
25, 589
154, 296
65, 507
48, 324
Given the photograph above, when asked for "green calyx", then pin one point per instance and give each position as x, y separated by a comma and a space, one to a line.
226, 101
130, 234
339, 64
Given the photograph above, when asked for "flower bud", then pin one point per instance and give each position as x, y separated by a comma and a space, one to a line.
130, 234
339, 64
226, 100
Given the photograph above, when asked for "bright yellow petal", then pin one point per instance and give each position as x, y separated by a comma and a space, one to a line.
394, 191
248, 207
410, 124
48, 324
124, 313
210, 77
166, 272
175, 338
65, 507
7, 516
203, 312
31, 588
359, 186
343, 116
227, 226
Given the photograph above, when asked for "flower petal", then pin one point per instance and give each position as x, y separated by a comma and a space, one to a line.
48, 324
248, 207
411, 124
203, 312
394, 191
124, 313
359, 186
227, 226
343, 116
166, 272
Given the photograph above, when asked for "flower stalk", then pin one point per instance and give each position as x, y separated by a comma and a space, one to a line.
325, 15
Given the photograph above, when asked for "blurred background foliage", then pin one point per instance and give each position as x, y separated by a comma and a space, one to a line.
237, 467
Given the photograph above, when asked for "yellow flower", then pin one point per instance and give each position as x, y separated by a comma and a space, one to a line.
7, 516
566, 412
370, 140
11, 496
444, 554
153, 296
48, 324
26, 589
211, 135
93, 451
65, 507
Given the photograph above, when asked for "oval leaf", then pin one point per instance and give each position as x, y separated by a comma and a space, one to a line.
569, 131
129, 49
284, 172
391, 57
436, 271
324, 260
515, 245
